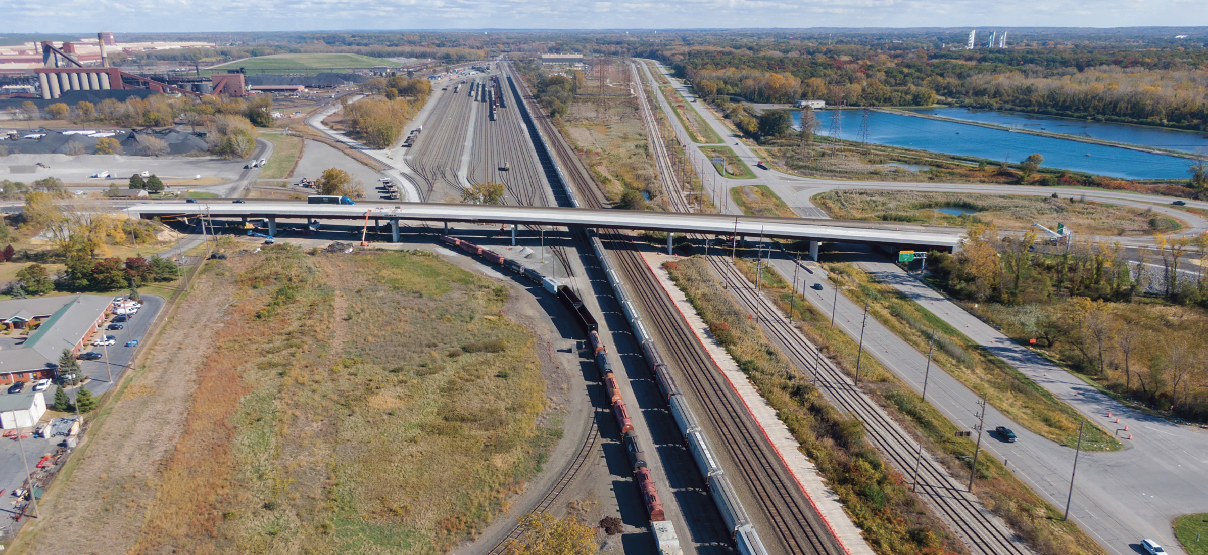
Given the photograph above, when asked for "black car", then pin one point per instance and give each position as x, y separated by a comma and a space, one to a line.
1179, 203
120, 318
17, 387
816, 286
191, 200
1005, 434
237, 201
90, 356
116, 326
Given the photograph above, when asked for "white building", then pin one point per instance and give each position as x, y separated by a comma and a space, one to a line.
815, 104
22, 410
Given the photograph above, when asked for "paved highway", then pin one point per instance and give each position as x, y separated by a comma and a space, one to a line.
1120, 497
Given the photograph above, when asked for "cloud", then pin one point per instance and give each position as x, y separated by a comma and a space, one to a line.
278, 15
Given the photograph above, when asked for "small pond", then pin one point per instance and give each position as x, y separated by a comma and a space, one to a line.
911, 167
955, 211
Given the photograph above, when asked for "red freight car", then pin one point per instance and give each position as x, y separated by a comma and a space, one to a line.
654, 507
492, 256
610, 384
622, 414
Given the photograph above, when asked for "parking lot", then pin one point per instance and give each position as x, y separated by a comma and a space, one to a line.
12, 470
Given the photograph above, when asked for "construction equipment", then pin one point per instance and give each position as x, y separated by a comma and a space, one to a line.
1056, 236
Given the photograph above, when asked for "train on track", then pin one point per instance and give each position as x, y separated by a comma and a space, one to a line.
664, 534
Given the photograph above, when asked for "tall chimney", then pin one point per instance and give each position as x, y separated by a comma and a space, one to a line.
101, 40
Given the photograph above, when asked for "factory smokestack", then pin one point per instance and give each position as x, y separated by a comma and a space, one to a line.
101, 40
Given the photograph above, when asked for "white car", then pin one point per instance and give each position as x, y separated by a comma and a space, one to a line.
42, 384
144, 174
1152, 547
100, 175
262, 162
107, 342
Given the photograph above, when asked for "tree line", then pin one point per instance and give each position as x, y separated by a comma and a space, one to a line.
379, 122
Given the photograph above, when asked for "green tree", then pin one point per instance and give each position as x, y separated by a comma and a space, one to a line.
17, 292
1199, 176
154, 185
78, 275
774, 123
34, 280
136, 182
632, 199
260, 110
134, 296
164, 269
84, 400
113, 191
108, 274
62, 402
1029, 167
483, 193
85, 110
334, 181
546, 534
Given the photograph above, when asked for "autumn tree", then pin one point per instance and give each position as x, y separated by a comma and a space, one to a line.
545, 534
334, 181
85, 110
58, 110
979, 260
152, 146
1030, 166
108, 145
260, 110
483, 193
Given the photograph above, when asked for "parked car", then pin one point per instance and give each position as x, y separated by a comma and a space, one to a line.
17, 387
262, 160
90, 355
116, 326
42, 384
120, 318
218, 256
816, 286
145, 174
132, 343
237, 201
1005, 434
1152, 547
107, 341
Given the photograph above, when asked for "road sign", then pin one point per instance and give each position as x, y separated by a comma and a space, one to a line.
1060, 229
718, 160
905, 256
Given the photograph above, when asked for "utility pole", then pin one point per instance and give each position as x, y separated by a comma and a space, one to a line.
981, 420
860, 352
1074, 472
734, 241
926, 374
29, 479
793, 297
835, 305
108, 368
758, 258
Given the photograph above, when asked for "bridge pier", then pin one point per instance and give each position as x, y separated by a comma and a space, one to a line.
245, 220
394, 230
814, 250
669, 235
446, 228
272, 226
513, 235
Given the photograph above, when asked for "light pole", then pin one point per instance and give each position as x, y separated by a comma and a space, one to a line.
980, 422
860, 352
1074, 472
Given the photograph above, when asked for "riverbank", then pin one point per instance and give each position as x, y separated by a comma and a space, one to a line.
1063, 136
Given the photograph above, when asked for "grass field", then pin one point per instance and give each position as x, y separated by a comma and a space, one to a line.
732, 162
375, 403
286, 150
309, 61
697, 128
1005, 211
759, 200
1188, 528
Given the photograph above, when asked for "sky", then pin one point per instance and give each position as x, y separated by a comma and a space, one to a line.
90, 16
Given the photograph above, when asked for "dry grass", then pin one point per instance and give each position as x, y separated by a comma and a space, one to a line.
759, 200
732, 167
612, 145
1039, 523
286, 150
1005, 211
377, 403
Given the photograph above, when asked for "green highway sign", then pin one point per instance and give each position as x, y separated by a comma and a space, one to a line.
906, 256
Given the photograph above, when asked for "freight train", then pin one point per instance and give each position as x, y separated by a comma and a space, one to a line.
664, 533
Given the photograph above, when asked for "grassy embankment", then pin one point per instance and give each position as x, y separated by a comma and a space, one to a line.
892, 519
759, 200
698, 130
286, 150
731, 162
371, 403
1192, 531
1039, 523
1004, 211
1017, 396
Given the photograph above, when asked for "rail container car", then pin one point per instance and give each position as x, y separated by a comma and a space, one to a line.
731, 511
748, 541
493, 257
622, 414
683, 416
603, 364
513, 266
705, 461
610, 385
653, 357
640, 330
450, 240
650, 495
666, 383
469, 247
665, 538
636, 457
597, 344
582, 315
533, 275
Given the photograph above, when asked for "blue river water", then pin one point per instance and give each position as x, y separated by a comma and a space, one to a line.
1002, 146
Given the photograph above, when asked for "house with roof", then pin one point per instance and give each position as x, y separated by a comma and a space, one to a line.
57, 323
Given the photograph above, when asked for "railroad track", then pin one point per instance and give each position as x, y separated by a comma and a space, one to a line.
796, 527
960, 509
979, 529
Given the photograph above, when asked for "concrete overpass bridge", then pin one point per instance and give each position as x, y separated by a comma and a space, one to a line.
891, 235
